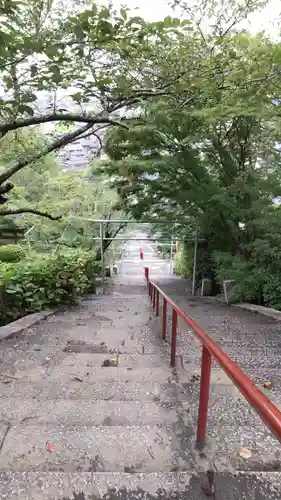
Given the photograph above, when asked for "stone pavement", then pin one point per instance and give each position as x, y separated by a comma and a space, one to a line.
73, 428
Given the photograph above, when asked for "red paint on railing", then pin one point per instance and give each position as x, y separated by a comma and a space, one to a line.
157, 302
164, 319
206, 366
269, 413
146, 274
174, 337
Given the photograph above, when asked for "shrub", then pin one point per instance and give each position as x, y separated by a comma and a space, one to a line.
43, 282
11, 253
183, 263
257, 279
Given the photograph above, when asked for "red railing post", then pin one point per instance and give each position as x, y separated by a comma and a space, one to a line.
206, 365
157, 302
164, 319
154, 296
146, 274
174, 337
269, 413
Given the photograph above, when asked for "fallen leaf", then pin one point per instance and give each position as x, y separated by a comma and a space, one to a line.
50, 447
268, 385
245, 453
78, 379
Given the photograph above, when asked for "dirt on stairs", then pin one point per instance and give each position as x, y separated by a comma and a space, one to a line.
90, 409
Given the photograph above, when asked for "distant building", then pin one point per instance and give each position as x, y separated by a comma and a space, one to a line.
77, 155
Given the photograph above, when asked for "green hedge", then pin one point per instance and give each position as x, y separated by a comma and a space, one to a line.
11, 253
43, 282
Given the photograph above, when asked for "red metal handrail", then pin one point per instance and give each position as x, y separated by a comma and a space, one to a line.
269, 413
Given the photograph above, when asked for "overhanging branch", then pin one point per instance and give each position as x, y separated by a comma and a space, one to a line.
53, 146
18, 211
54, 117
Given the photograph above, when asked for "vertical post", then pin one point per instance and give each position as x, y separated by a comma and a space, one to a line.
102, 252
194, 262
164, 319
150, 290
174, 337
154, 296
171, 256
206, 365
157, 302
146, 274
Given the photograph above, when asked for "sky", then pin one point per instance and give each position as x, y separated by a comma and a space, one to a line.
154, 10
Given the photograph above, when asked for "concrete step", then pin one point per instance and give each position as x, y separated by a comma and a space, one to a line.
125, 360
146, 486
91, 449
69, 388
87, 413
120, 374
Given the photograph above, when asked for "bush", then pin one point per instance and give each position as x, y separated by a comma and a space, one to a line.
183, 263
11, 253
257, 279
43, 282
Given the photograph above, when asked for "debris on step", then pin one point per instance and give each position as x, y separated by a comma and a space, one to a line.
123, 342
209, 488
50, 447
78, 379
268, 385
195, 377
111, 362
130, 470
245, 453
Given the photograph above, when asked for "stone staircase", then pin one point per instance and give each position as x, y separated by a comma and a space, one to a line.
71, 428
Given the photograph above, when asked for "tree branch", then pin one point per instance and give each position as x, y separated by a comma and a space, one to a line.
53, 117
17, 211
56, 144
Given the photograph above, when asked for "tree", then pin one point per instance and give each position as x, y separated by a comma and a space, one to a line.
103, 59
212, 164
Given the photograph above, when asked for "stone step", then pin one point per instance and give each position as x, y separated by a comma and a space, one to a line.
115, 374
146, 486
69, 388
91, 449
85, 413
125, 360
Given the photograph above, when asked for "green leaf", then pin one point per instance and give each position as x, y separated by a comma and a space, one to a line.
23, 108
123, 13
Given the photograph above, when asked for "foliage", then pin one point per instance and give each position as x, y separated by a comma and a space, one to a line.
71, 197
213, 161
183, 262
43, 281
11, 253
102, 61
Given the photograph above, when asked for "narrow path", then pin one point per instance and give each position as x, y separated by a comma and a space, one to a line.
72, 427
